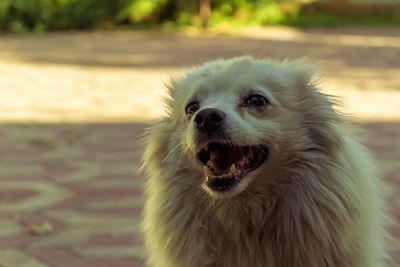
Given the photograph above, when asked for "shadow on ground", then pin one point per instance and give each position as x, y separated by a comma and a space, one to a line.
83, 181
157, 49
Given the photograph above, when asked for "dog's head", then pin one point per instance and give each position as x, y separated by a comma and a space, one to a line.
238, 121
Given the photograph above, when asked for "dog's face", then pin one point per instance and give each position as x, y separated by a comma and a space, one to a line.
237, 120
227, 138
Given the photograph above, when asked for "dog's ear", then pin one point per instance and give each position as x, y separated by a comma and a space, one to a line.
302, 73
318, 109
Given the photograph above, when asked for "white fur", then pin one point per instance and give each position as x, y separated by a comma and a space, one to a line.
315, 202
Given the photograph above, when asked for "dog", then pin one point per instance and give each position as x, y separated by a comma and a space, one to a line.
253, 166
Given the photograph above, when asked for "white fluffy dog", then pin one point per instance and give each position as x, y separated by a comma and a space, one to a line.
252, 167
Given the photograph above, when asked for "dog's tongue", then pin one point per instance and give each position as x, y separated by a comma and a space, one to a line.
222, 157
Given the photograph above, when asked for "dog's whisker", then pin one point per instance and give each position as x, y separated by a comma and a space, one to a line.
179, 161
180, 157
172, 150
260, 54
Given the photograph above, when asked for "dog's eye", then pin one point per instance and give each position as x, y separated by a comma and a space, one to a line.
192, 107
256, 101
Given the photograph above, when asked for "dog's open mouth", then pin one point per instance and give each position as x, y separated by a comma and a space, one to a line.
225, 164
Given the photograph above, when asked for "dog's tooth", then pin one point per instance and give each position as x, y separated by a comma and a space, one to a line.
233, 169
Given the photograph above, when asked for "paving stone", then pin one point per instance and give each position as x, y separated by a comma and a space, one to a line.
14, 258
9, 228
111, 252
81, 220
12, 170
47, 194
90, 170
112, 203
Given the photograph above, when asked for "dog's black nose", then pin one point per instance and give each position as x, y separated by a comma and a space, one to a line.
209, 119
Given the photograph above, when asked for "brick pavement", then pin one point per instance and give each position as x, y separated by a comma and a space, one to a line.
88, 189
83, 181
72, 108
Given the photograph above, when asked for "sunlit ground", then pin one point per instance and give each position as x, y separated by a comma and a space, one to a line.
73, 107
118, 76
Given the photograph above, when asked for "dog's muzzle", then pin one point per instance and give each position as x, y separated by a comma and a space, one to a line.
226, 164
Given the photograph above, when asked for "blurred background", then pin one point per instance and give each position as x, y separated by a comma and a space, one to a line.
81, 79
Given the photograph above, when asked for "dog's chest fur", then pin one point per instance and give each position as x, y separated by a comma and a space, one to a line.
227, 233
233, 239
238, 233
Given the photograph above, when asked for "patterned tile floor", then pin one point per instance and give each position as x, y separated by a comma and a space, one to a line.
73, 107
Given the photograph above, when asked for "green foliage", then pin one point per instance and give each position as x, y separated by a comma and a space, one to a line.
330, 20
43, 15
270, 13
140, 10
